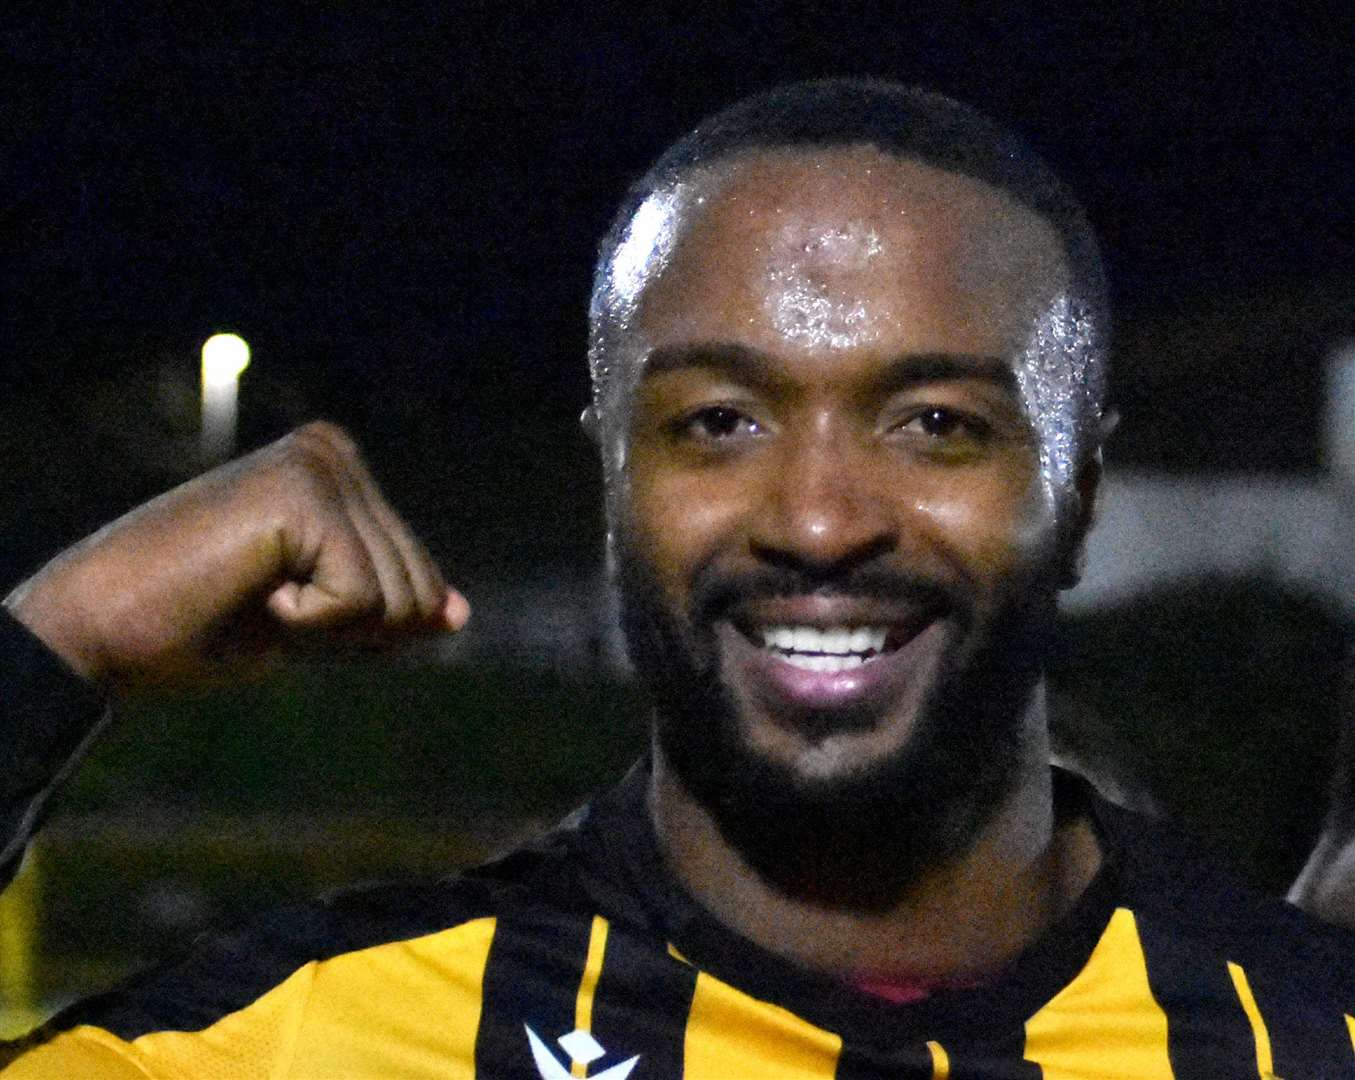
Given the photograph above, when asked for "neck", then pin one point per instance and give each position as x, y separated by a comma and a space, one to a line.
962, 921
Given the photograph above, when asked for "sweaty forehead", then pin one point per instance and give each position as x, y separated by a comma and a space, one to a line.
845, 247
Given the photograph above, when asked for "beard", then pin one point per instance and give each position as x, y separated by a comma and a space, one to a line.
861, 841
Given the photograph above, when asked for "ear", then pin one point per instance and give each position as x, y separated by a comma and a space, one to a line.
1088, 488
591, 424
1084, 514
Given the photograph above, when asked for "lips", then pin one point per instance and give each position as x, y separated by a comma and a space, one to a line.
821, 655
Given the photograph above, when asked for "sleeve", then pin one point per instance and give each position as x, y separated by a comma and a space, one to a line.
48, 716
228, 1009
254, 1042
74, 1056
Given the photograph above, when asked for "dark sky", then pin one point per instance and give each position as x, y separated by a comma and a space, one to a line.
399, 209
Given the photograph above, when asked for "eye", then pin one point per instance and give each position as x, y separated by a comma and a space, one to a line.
941, 423
943, 429
718, 423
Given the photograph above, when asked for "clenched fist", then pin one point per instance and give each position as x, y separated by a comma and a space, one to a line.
291, 543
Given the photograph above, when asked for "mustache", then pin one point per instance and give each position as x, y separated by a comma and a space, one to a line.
716, 591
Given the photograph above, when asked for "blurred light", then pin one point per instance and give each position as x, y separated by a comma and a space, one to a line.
224, 358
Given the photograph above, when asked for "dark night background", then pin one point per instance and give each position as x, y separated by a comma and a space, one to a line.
399, 211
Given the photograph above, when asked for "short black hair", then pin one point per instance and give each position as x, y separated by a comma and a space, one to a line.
906, 122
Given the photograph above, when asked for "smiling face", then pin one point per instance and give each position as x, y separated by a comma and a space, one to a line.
837, 557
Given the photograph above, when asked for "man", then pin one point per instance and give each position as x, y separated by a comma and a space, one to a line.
849, 390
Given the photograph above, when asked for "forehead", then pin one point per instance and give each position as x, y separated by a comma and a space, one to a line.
848, 248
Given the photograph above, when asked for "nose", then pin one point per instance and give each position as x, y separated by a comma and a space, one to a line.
824, 508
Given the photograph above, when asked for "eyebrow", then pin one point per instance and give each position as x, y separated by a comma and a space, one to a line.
914, 369
755, 368
726, 357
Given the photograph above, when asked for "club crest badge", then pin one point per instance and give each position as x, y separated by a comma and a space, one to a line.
583, 1050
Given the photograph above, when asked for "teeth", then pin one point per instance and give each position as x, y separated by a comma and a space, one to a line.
868, 638
837, 641
825, 650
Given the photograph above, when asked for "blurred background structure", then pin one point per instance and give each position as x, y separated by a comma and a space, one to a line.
399, 210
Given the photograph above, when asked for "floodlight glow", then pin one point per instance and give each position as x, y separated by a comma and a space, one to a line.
224, 357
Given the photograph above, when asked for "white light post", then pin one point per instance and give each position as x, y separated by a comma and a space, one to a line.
224, 357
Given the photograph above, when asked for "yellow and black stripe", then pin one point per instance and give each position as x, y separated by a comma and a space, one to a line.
578, 959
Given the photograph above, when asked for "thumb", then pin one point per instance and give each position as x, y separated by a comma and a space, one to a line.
311, 606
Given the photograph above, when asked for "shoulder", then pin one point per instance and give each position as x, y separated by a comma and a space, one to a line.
1191, 904
256, 972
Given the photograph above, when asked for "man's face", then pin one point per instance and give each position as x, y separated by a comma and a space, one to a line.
831, 531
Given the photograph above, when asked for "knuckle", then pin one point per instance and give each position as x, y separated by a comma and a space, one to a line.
319, 446
331, 437
316, 456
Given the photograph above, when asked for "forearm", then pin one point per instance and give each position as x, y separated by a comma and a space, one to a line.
47, 716
294, 542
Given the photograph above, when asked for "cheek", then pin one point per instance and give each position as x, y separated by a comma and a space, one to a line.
995, 524
678, 519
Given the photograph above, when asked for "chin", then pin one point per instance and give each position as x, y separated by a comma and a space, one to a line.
831, 759
825, 728
812, 763
844, 808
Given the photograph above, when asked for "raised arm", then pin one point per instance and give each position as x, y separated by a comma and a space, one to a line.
290, 546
